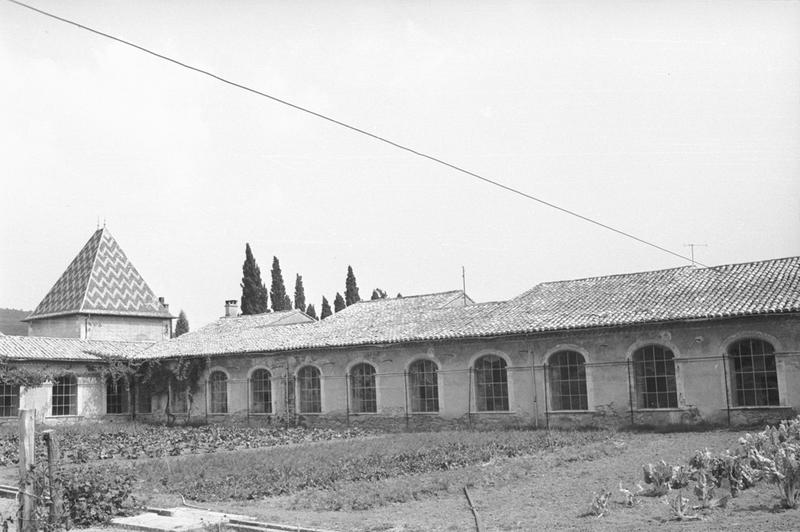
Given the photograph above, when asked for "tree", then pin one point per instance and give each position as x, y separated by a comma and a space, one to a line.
311, 311
399, 295
326, 309
351, 288
254, 293
278, 290
378, 294
338, 303
287, 303
299, 293
182, 325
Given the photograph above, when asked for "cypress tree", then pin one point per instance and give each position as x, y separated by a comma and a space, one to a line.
254, 293
278, 290
299, 293
399, 295
351, 288
182, 325
338, 303
311, 311
326, 309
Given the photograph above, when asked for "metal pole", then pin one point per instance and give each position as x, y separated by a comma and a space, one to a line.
469, 399
405, 387
347, 397
247, 399
630, 391
727, 392
207, 398
533, 388
546, 404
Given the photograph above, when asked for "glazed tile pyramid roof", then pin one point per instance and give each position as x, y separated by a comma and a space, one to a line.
100, 280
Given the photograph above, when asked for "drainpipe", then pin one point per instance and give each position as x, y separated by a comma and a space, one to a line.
630, 391
727, 392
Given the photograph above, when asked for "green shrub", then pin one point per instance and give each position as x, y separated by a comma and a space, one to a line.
95, 494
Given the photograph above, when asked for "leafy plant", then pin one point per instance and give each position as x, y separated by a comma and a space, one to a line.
680, 507
664, 477
630, 498
599, 504
775, 453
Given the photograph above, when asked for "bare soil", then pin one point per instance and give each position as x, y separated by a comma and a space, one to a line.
551, 490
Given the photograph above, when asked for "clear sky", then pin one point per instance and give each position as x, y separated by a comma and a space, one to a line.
676, 121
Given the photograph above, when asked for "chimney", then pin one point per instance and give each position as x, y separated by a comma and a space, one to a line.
231, 308
165, 306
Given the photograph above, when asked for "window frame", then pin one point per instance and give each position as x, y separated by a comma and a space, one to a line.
303, 391
121, 393
573, 374
218, 392
266, 393
430, 395
12, 392
363, 388
482, 400
72, 398
647, 361
768, 371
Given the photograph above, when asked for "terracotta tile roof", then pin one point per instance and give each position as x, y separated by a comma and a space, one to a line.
100, 280
42, 348
765, 287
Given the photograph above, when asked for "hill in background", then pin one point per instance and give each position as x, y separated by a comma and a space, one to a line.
10, 321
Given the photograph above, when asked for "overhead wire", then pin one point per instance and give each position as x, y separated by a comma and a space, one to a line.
360, 131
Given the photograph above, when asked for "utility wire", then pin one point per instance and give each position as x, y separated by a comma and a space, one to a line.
361, 131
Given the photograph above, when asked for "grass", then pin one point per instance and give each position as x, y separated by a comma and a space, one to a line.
544, 488
336, 465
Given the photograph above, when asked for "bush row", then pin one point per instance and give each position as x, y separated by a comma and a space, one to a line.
281, 471
80, 444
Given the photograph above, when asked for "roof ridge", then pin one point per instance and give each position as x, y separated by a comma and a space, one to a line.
408, 297
94, 262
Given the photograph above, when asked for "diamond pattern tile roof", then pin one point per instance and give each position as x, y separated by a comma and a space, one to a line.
100, 280
47, 349
766, 287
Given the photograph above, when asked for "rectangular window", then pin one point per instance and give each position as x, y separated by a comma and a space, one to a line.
65, 396
116, 396
9, 400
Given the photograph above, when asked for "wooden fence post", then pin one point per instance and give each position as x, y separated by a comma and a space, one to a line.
27, 458
56, 489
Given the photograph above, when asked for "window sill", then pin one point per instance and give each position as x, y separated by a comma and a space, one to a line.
491, 412
310, 413
64, 416
765, 407
117, 414
364, 413
424, 413
670, 409
260, 413
587, 411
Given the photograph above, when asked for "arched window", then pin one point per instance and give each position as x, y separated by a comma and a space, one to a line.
261, 392
218, 392
423, 383
568, 381
116, 396
363, 393
491, 384
654, 369
309, 390
9, 400
65, 396
755, 375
